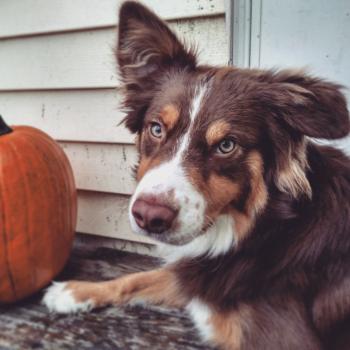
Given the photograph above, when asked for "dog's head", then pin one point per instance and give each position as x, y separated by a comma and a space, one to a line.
214, 141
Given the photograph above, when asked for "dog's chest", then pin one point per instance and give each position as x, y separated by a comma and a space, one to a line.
201, 314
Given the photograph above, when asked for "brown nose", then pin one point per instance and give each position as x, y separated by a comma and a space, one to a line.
152, 217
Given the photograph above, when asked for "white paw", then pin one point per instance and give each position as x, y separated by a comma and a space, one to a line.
61, 300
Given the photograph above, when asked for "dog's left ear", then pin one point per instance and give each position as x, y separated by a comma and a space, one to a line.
146, 49
146, 44
310, 106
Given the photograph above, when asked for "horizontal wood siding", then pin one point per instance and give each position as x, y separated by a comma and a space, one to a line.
81, 60
58, 73
28, 17
102, 167
95, 113
106, 215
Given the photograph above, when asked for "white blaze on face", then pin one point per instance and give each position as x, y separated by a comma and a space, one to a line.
170, 177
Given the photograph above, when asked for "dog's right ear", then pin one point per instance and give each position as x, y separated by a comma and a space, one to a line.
146, 48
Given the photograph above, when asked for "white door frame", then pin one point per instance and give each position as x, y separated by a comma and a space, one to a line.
243, 18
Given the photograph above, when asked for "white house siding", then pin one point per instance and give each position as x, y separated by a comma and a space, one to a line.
314, 34
57, 73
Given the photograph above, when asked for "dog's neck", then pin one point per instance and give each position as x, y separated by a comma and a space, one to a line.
217, 240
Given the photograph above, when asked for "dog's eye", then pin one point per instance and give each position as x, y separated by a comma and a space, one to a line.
226, 146
156, 130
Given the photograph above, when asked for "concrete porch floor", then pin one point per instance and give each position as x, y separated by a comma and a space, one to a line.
28, 325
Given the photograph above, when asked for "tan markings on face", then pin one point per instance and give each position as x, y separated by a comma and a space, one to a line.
228, 327
292, 178
257, 198
217, 131
243, 222
218, 191
169, 115
145, 165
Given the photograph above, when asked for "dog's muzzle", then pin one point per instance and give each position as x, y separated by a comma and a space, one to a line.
152, 215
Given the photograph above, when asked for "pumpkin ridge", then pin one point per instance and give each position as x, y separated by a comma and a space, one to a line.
53, 169
63, 175
7, 263
17, 154
59, 153
5, 241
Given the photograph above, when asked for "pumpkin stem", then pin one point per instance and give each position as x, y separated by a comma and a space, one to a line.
4, 128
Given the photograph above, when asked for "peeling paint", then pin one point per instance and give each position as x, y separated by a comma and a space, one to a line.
124, 154
43, 111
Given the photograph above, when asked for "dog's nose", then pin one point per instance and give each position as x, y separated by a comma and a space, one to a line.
153, 217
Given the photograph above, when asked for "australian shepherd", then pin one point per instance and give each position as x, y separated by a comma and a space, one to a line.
251, 215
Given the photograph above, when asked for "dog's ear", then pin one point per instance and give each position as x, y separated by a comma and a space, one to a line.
146, 49
146, 44
310, 106
296, 105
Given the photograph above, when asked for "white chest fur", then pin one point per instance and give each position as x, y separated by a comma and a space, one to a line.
201, 314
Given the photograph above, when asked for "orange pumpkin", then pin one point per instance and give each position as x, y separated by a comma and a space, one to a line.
38, 207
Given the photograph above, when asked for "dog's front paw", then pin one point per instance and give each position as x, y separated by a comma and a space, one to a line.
60, 298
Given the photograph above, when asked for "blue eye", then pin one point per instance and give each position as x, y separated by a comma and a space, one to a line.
156, 130
226, 146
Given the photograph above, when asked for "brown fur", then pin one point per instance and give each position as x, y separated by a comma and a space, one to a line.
228, 330
243, 223
157, 287
219, 192
217, 131
145, 165
289, 198
333, 301
169, 115
256, 201
259, 196
292, 179
285, 284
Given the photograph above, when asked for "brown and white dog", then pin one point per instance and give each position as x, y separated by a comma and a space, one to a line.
252, 216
